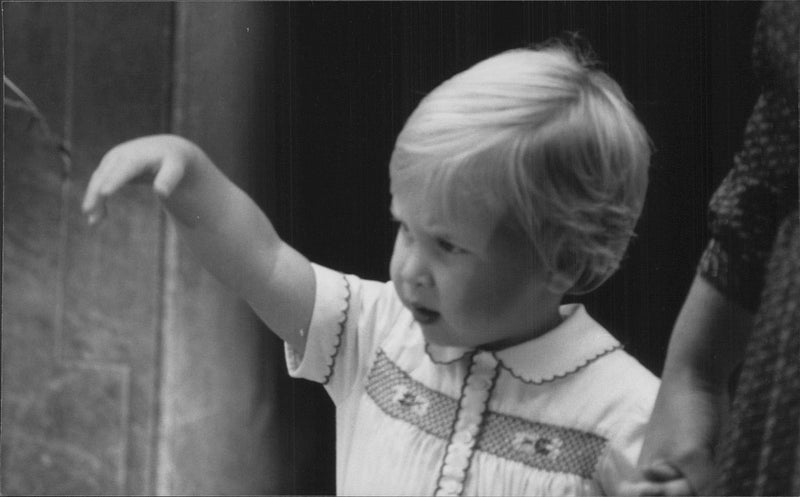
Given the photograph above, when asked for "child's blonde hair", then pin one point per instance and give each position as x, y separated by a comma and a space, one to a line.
548, 144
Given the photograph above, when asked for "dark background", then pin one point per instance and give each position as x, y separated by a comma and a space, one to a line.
126, 369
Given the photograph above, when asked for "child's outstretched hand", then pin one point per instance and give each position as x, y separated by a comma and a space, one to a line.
659, 479
164, 156
225, 229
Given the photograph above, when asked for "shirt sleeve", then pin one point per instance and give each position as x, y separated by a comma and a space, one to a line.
761, 188
618, 464
339, 341
630, 408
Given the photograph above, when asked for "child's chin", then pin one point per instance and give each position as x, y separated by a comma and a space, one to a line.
439, 336
433, 335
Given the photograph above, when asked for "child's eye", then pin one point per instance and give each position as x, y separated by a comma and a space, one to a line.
402, 228
448, 247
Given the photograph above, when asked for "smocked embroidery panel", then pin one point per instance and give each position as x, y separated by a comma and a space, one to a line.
467, 425
401, 397
542, 446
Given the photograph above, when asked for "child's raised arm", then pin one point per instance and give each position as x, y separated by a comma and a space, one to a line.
225, 229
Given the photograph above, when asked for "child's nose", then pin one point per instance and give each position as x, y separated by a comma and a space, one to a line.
423, 280
415, 270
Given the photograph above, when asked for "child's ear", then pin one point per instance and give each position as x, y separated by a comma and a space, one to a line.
559, 283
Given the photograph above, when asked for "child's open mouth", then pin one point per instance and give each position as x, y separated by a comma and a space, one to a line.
423, 315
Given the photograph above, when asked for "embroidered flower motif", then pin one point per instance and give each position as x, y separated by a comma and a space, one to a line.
535, 444
405, 398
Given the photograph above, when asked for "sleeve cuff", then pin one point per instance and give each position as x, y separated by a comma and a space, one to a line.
325, 334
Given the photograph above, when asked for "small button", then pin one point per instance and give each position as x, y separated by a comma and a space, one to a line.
476, 399
451, 486
457, 460
485, 360
480, 382
469, 418
452, 471
463, 437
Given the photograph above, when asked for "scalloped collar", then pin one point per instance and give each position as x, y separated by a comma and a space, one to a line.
567, 348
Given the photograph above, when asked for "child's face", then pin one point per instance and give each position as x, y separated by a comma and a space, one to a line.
468, 282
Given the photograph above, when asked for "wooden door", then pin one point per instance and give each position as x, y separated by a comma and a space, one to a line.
127, 369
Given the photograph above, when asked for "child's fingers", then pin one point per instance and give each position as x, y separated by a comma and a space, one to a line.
97, 212
93, 204
115, 170
123, 170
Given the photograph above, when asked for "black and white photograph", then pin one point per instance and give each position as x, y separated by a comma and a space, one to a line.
478, 248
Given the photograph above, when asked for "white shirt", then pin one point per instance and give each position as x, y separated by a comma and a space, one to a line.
562, 414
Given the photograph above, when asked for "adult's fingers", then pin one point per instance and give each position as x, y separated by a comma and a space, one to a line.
661, 471
679, 487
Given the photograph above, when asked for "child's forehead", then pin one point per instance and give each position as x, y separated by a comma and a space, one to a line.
438, 206
458, 221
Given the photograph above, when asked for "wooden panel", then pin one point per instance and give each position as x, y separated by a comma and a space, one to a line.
81, 308
64, 424
31, 279
35, 49
121, 74
69, 432
220, 410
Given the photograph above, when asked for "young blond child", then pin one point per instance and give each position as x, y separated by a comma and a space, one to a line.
513, 183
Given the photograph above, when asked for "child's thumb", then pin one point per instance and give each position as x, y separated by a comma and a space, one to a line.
169, 176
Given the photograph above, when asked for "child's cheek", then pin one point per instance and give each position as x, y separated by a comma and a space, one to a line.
500, 288
490, 296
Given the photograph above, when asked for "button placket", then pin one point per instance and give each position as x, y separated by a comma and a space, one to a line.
471, 410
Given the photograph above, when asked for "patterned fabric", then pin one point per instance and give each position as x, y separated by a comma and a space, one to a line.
761, 189
541, 445
760, 451
419, 420
538, 445
403, 398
